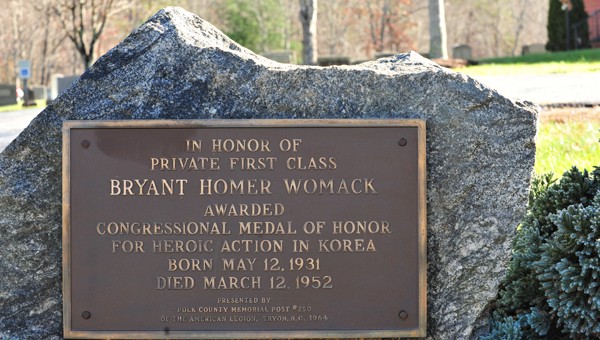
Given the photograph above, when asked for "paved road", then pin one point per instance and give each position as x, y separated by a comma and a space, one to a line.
13, 122
578, 88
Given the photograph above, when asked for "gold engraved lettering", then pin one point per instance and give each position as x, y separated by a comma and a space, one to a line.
167, 228
313, 227
241, 210
289, 144
209, 186
146, 187
257, 246
252, 164
239, 300
180, 246
185, 163
232, 282
210, 309
330, 186
300, 246
246, 264
184, 265
240, 145
243, 318
207, 318
174, 282
361, 227
251, 309
178, 318
193, 145
346, 246
186, 309
127, 246
266, 228
283, 318
311, 163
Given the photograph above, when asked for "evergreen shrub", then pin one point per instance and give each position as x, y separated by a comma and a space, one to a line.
557, 35
552, 286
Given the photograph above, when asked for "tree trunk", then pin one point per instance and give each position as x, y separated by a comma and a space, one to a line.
308, 18
83, 23
437, 30
519, 18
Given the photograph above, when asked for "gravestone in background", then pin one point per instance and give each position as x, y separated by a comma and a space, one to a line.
40, 92
480, 154
333, 60
8, 94
285, 56
59, 83
533, 49
461, 52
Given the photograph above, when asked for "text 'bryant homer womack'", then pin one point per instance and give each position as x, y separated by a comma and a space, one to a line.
209, 186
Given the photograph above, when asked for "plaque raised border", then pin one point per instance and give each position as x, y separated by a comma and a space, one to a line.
419, 331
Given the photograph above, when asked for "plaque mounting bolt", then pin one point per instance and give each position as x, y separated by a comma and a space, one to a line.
403, 315
86, 315
402, 142
85, 144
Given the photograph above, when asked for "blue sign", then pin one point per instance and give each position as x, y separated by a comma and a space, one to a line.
24, 69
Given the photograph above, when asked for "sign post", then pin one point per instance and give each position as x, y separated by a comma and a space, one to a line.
24, 75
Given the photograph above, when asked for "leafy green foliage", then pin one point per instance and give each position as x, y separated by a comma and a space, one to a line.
557, 29
242, 25
522, 289
552, 286
257, 25
575, 187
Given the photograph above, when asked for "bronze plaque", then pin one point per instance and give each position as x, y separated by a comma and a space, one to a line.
244, 229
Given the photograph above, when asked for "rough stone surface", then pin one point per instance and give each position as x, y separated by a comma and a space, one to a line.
480, 148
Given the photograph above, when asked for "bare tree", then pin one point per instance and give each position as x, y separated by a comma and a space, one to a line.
289, 31
519, 17
388, 25
437, 30
308, 18
49, 38
496, 28
19, 36
418, 12
83, 22
334, 27
378, 21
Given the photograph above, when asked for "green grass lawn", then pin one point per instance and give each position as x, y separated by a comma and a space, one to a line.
543, 63
19, 106
563, 145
